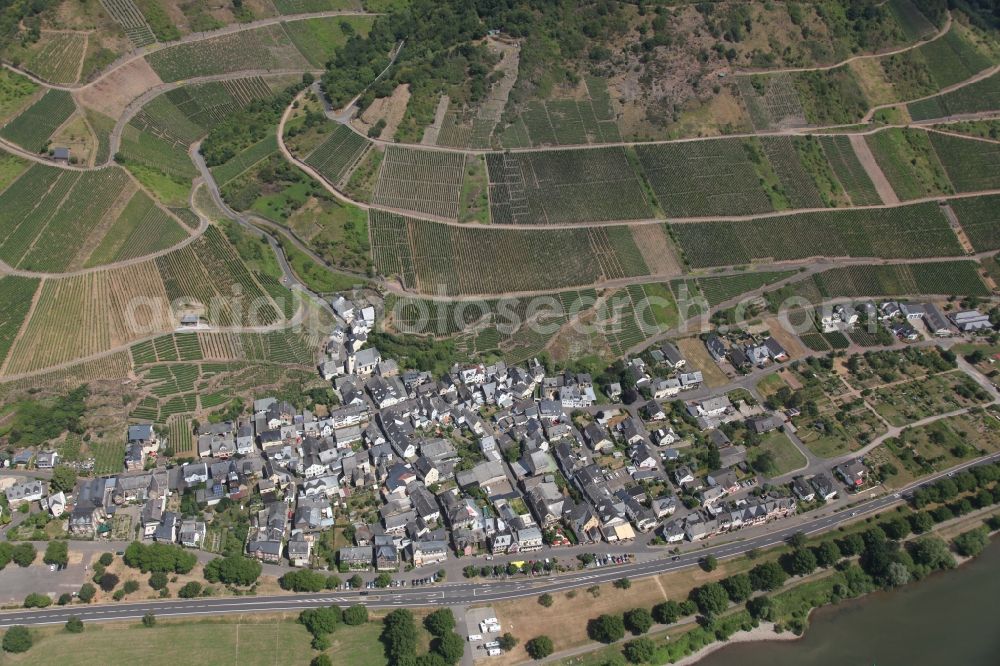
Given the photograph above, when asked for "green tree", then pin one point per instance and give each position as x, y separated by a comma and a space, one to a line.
799, 562
639, 651
539, 647
711, 598
767, 576
440, 622
74, 625
738, 587
303, 580
63, 479
709, 563
383, 580
190, 590
108, 582
149, 620
87, 592
450, 646
546, 600
507, 642
399, 635
356, 581
320, 621
759, 608
234, 570
667, 612
623, 583
638, 620
827, 553
971, 543
931, 553
17, 639
797, 540
321, 660
606, 628
65, 598
355, 615
106, 559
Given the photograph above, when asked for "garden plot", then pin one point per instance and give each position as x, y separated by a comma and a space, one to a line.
268, 47
550, 187
32, 128
420, 180
711, 177
905, 403
903, 232
338, 153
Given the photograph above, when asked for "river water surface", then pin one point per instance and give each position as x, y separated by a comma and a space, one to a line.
950, 619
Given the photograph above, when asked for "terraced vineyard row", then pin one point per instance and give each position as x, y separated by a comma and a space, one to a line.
978, 218
565, 186
58, 58
268, 48
715, 177
128, 16
849, 170
915, 231
16, 294
983, 95
959, 278
422, 181
245, 160
338, 153
722, 288
32, 128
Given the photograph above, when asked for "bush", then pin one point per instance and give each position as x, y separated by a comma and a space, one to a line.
507, 642
355, 615
320, 621
321, 660
35, 600
131, 586
190, 590
65, 598
106, 559
640, 650
709, 563
57, 552
23, 554
158, 580
638, 620
149, 620
546, 600
971, 543
539, 647
623, 583
118, 595
87, 592
108, 582
74, 625
17, 639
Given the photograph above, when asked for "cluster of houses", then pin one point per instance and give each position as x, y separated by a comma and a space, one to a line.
754, 352
899, 317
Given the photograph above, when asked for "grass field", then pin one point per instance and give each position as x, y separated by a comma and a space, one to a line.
32, 128
565, 186
786, 457
920, 230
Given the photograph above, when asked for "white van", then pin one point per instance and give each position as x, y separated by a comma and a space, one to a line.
475, 637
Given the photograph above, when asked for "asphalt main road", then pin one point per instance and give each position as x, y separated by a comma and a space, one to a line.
465, 592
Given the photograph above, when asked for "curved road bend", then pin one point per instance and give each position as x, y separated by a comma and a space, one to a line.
459, 592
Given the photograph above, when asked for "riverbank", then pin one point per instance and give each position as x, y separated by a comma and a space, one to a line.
764, 633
